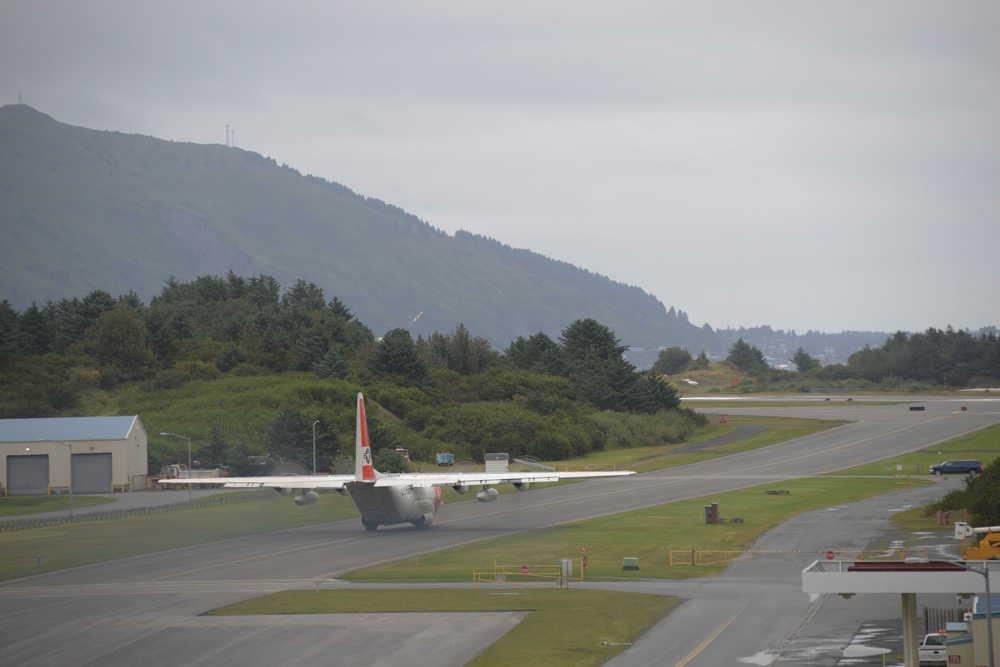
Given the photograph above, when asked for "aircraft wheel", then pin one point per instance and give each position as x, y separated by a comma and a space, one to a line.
370, 527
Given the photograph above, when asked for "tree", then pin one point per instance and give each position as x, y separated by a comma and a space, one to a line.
459, 352
746, 358
589, 338
304, 295
603, 378
803, 361
8, 331
671, 361
332, 365
537, 353
33, 331
984, 494
289, 436
118, 341
396, 356
214, 454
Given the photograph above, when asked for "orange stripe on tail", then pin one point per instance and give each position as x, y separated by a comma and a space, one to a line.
364, 471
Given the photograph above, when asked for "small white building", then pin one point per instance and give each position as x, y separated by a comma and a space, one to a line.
91, 454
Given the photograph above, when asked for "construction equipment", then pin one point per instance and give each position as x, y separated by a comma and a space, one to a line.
989, 544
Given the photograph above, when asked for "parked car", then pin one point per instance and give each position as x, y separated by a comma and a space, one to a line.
963, 467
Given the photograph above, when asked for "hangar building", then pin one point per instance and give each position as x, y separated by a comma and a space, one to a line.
93, 454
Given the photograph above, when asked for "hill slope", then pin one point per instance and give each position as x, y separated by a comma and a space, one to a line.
84, 209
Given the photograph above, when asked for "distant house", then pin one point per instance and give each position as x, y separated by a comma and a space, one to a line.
93, 454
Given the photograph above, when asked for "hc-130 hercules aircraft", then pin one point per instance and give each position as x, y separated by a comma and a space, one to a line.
385, 499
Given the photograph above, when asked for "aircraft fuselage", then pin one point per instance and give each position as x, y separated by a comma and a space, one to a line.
389, 505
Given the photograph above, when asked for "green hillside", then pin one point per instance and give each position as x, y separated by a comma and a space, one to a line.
84, 209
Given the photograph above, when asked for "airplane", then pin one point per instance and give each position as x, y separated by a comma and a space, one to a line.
386, 499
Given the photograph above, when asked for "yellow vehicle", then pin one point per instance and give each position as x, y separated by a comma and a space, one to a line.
989, 544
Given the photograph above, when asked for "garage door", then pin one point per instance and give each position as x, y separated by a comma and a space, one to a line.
28, 475
92, 473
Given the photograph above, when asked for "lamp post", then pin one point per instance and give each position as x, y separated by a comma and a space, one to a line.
989, 612
184, 437
314, 445
989, 606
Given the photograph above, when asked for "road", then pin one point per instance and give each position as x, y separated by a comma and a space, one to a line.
146, 609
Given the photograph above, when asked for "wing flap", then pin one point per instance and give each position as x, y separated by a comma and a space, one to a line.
286, 482
474, 478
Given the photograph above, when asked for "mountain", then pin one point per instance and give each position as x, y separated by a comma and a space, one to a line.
83, 209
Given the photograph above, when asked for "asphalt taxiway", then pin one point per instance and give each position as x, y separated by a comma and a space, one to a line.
148, 609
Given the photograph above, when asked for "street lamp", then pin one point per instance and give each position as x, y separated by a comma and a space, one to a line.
314, 445
989, 606
184, 437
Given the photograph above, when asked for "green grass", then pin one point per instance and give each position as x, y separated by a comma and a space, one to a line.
645, 459
565, 627
647, 534
79, 543
983, 445
18, 505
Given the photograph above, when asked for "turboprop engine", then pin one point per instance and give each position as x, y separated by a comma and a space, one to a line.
522, 486
306, 497
487, 495
460, 489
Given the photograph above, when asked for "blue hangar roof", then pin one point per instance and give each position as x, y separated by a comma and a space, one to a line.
66, 428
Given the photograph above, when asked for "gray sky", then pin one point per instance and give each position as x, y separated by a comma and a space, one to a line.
806, 165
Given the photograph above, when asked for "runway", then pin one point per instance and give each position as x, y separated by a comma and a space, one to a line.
145, 609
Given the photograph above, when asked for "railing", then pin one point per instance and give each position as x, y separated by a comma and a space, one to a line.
708, 557
528, 575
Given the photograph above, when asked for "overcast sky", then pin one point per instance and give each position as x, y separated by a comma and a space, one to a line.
824, 166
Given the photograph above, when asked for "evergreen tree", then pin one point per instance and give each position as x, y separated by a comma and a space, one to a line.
289, 436
332, 365
803, 361
8, 331
593, 361
34, 333
537, 353
306, 296
396, 356
214, 454
746, 358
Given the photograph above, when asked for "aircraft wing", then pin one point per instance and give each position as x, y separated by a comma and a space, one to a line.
487, 478
394, 480
271, 482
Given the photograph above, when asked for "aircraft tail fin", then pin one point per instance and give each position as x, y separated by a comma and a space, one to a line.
364, 471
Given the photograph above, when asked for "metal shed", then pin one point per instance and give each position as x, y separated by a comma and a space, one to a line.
87, 454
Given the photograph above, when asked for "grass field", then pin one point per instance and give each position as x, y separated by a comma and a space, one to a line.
18, 505
648, 534
565, 627
599, 627
983, 445
79, 543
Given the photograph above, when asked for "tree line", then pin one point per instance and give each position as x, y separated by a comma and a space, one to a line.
937, 358
53, 356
